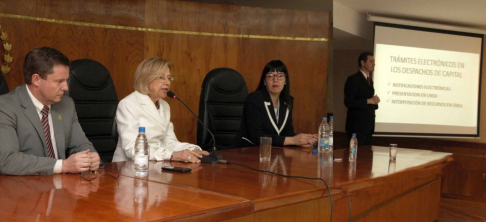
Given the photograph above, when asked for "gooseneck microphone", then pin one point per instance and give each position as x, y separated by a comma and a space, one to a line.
212, 157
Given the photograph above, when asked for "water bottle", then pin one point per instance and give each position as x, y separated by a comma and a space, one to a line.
331, 137
323, 145
353, 148
141, 151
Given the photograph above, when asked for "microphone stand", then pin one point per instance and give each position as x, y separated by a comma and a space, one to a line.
212, 158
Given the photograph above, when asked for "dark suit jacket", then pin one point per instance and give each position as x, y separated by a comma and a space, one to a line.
259, 120
23, 149
361, 116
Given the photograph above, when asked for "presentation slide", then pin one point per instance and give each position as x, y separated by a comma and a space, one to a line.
427, 82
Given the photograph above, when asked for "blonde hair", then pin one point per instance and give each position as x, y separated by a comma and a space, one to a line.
148, 71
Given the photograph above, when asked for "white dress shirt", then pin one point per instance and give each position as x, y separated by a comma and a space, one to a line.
364, 74
38, 107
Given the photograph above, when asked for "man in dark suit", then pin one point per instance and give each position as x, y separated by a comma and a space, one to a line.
39, 129
361, 101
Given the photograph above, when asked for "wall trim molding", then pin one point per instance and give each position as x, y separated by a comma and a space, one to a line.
167, 31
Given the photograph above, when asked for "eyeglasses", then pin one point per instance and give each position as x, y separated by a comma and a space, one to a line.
163, 78
271, 76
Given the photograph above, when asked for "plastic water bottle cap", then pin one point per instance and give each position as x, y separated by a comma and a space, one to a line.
141, 129
331, 117
354, 134
324, 119
314, 151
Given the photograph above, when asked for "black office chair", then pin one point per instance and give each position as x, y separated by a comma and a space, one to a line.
223, 96
3, 85
93, 92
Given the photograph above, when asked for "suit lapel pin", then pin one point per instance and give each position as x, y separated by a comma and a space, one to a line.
59, 117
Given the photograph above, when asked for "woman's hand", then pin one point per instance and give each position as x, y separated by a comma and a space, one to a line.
304, 140
191, 156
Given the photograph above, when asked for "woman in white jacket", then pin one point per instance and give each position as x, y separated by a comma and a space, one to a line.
146, 107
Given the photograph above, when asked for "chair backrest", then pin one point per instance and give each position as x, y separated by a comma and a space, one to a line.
93, 92
223, 96
3, 85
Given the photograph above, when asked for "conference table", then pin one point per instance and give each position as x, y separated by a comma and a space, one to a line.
369, 189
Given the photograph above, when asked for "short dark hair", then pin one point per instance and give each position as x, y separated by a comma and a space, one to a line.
42, 61
363, 57
277, 66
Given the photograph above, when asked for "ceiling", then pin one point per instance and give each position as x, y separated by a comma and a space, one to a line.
465, 13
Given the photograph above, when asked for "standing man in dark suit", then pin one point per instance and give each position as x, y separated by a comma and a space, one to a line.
361, 101
39, 129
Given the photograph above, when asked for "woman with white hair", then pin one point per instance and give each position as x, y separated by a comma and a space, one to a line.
146, 107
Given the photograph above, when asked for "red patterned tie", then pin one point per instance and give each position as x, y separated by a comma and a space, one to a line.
47, 131
368, 79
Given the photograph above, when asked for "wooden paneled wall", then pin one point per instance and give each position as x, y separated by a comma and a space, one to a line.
106, 31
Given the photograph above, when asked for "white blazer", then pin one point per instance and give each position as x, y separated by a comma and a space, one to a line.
138, 110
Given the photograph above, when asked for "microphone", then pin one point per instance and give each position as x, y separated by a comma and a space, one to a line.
212, 157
